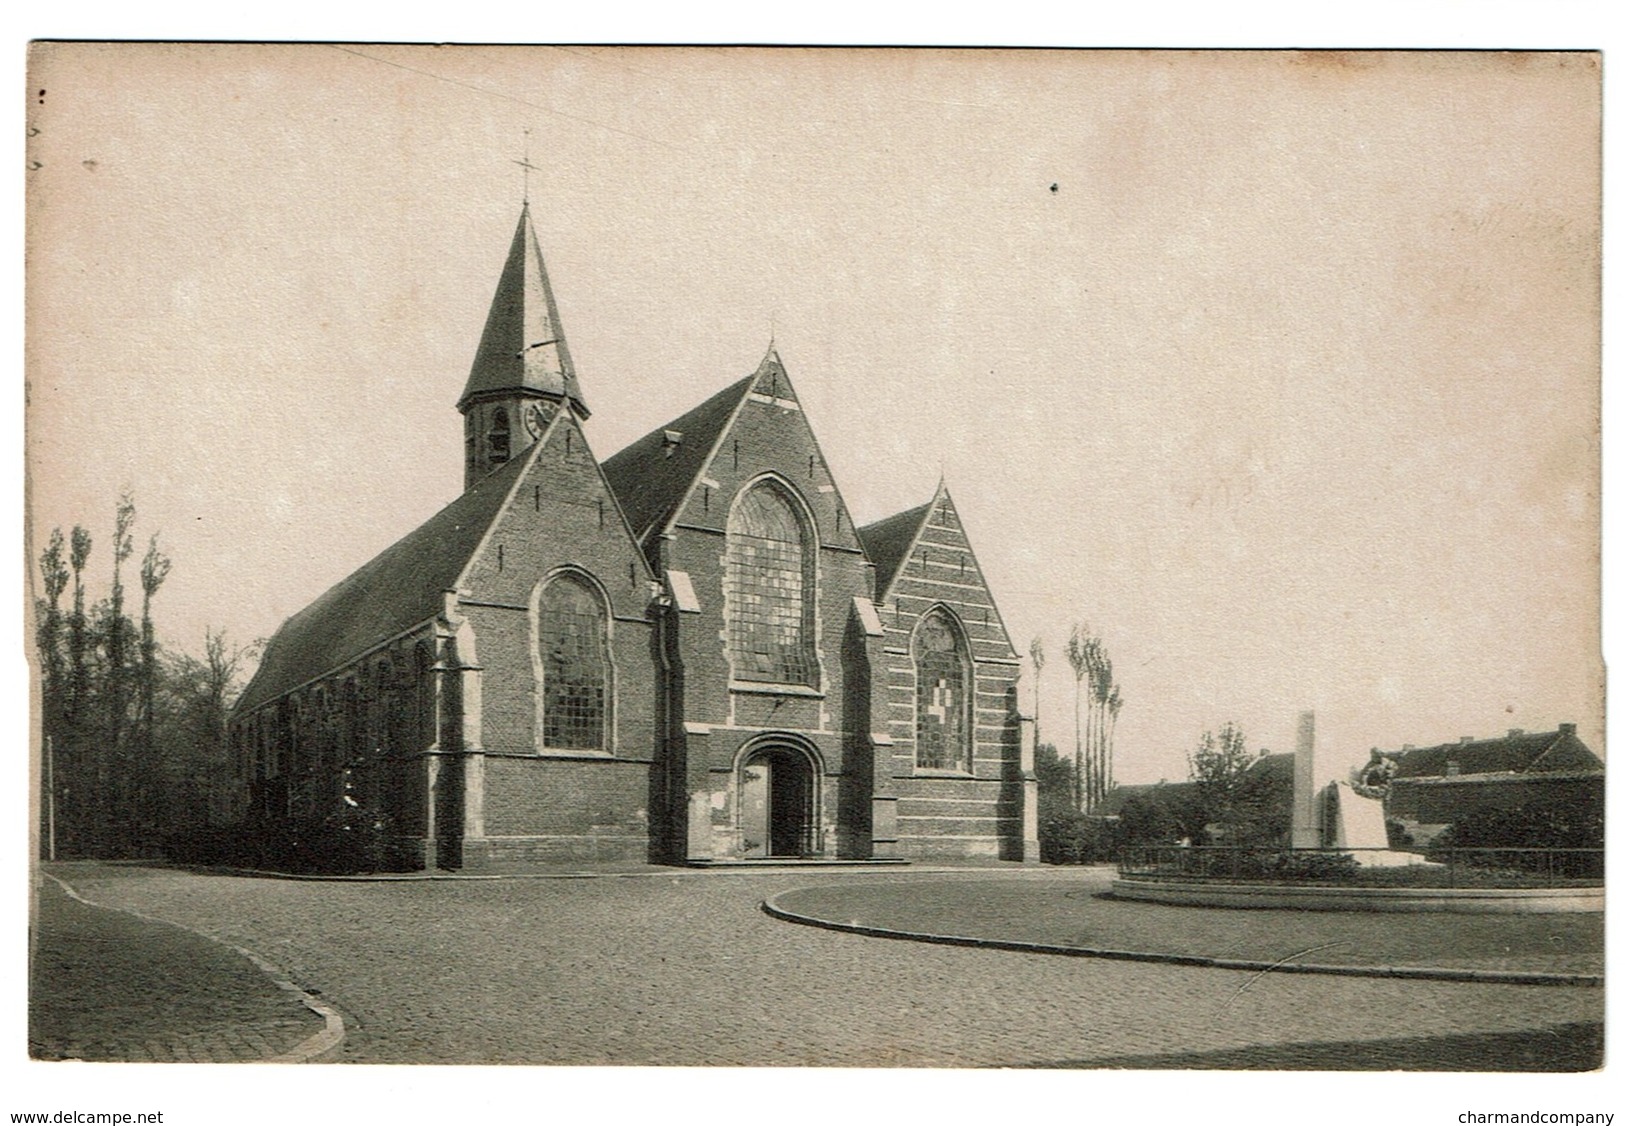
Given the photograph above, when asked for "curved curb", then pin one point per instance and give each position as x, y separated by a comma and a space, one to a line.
309, 1050
1393, 900
1410, 973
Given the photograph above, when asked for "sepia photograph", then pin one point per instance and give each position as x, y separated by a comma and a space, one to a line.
773, 557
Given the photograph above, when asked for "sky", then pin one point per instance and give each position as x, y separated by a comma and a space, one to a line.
1277, 371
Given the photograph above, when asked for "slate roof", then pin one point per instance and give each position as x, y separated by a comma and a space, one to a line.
886, 542
1535, 753
648, 482
523, 347
402, 586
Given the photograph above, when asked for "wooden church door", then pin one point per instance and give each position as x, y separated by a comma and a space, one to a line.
776, 804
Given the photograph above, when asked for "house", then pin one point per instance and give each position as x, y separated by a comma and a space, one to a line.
1429, 788
687, 652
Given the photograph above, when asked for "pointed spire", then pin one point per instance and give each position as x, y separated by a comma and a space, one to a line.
523, 346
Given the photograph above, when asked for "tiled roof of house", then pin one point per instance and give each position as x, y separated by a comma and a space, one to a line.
651, 476
402, 586
1278, 765
1119, 796
1514, 753
887, 541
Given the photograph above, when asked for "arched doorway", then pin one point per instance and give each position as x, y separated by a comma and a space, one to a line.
778, 810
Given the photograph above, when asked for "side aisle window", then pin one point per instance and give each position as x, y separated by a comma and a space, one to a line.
573, 645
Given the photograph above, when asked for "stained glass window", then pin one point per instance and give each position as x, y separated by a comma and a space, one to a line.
942, 695
574, 666
769, 590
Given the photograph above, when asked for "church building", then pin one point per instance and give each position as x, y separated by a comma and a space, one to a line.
685, 653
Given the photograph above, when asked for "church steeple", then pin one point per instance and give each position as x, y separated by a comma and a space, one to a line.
523, 363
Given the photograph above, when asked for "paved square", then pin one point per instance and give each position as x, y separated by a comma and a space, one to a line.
684, 968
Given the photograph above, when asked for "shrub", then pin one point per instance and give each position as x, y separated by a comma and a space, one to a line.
1069, 837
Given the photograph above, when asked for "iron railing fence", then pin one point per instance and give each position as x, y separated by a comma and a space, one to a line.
1433, 867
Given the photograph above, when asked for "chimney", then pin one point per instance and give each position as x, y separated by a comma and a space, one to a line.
1565, 729
1408, 747
1514, 732
1465, 739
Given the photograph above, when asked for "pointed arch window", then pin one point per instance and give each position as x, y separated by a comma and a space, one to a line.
942, 695
770, 583
498, 437
573, 646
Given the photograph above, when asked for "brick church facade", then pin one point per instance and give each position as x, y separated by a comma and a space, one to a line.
685, 653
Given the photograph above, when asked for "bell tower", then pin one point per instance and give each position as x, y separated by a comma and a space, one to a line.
522, 372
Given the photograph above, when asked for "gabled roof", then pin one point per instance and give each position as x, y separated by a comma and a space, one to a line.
1513, 753
401, 587
1119, 796
651, 476
887, 542
523, 348
1280, 764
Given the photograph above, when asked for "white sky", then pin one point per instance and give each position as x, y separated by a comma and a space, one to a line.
1288, 388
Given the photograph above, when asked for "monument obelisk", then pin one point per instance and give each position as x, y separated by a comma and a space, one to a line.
1306, 829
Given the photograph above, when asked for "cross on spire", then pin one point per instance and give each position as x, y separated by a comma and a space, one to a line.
527, 166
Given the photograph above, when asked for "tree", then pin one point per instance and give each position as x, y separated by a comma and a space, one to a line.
115, 765
1036, 652
1105, 701
1076, 655
1091, 664
195, 759
54, 577
108, 696
1216, 766
154, 570
76, 773
1055, 779
79, 686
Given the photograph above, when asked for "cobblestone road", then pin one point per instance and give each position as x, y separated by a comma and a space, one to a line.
104, 985
684, 968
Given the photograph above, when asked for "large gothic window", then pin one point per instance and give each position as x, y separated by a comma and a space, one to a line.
573, 644
770, 577
942, 695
